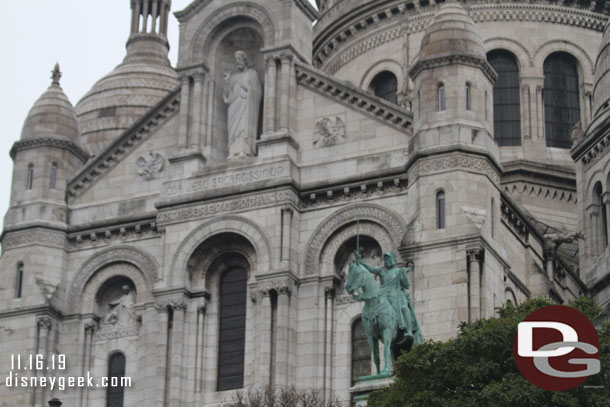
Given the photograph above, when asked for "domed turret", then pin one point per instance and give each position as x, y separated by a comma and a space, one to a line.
52, 115
141, 81
601, 90
451, 31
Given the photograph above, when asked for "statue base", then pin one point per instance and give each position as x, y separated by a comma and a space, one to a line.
366, 385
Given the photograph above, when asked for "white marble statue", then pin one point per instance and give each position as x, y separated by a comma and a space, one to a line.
121, 310
242, 94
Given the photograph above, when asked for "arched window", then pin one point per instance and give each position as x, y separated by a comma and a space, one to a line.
116, 370
232, 331
468, 97
441, 97
30, 177
19, 280
385, 86
561, 99
440, 210
53, 175
361, 353
507, 114
603, 216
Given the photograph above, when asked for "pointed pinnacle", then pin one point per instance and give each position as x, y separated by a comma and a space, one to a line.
55, 75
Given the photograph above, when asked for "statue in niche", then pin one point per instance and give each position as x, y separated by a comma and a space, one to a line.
242, 94
121, 311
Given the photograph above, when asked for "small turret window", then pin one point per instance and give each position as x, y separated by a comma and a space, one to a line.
440, 210
468, 97
19, 280
441, 97
53, 175
30, 177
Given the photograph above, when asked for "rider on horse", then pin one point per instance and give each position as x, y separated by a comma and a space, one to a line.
393, 280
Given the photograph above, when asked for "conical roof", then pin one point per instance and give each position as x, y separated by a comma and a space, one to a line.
601, 89
52, 115
451, 31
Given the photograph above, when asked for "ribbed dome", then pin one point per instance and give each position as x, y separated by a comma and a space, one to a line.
601, 90
52, 115
122, 97
451, 31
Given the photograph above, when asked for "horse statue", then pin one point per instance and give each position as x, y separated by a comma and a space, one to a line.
380, 318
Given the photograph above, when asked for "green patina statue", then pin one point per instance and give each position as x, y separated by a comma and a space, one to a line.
388, 313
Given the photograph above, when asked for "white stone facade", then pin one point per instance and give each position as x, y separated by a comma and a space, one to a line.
145, 196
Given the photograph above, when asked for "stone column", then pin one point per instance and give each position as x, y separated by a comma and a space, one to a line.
283, 331
270, 87
265, 345
329, 296
549, 260
540, 112
135, 16
200, 346
195, 134
596, 241
162, 354
474, 283
154, 14
588, 110
44, 328
210, 112
606, 207
185, 94
527, 111
89, 327
286, 234
145, 16
176, 367
286, 66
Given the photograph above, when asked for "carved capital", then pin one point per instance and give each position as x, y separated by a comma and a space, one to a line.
161, 306
270, 59
177, 305
286, 58
264, 292
475, 254
202, 307
329, 292
90, 327
285, 290
199, 77
44, 323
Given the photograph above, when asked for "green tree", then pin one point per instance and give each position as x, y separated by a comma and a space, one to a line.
477, 368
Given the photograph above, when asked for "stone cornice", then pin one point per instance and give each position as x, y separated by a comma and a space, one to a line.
185, 14
51, 142
307, 9
125, 144
596, 142
452, 59
345, 93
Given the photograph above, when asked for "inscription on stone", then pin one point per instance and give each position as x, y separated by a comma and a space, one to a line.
227, 179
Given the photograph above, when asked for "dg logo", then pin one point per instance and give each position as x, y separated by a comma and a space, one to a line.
557, 348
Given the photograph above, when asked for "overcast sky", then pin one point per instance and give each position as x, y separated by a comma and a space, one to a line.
86, 37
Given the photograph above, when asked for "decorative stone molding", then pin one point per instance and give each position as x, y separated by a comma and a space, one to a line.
353, 192
27, 238
116, 233
282, 286
514, 222
453, 59
227, 206
475, 254
90, 327
204, 36
124, 145
327, 133
137, 257
390, 221
563, 45
554, 194
344, 299
597, 150
519, 45
105, 334
147, 167
222, 224
49, 142
454, 162
345, 93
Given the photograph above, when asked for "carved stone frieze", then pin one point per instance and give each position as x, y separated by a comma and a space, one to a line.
344, 299
33, 237
283, 286
113, 234
148, 166
595, 153
227, 206
105, 334
454, 162
327, 133
541, 192
514, 221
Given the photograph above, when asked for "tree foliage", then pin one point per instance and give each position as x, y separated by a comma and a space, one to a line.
477, 368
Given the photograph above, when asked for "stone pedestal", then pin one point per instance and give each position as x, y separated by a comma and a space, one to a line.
365, 386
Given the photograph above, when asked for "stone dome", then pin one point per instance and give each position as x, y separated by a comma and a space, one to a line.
126, 94
601, 89
52, 115
451, 31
